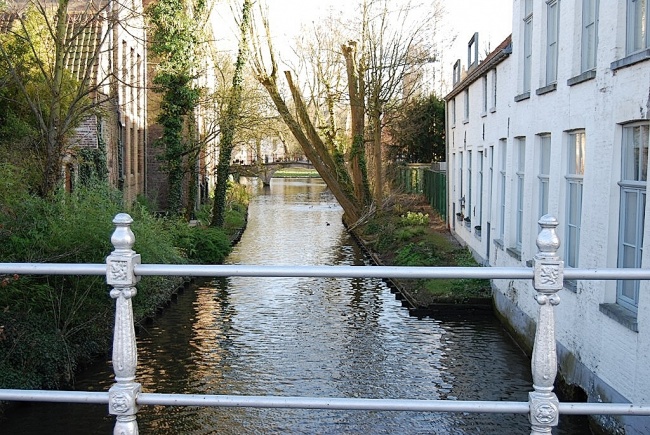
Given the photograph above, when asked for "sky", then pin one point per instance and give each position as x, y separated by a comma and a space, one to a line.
491, 18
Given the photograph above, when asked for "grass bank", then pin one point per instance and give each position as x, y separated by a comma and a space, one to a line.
296, 173
407, 232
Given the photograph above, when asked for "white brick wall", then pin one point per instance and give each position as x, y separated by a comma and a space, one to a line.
617, 357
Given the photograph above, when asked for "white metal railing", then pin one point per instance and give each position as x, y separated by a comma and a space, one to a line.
123, 270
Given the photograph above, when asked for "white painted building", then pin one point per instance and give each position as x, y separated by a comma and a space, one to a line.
556, 121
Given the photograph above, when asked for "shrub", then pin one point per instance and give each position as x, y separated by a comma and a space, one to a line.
411, 218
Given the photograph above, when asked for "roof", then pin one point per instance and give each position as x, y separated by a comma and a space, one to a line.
497, 56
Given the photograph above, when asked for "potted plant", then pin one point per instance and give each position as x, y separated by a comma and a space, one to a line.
477, 230
468, 222
459, 216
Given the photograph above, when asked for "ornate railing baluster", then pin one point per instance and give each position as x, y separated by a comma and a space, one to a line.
120, 275
548, 280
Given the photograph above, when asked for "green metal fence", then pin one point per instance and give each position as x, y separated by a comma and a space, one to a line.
435, 190
411, 177
428, 180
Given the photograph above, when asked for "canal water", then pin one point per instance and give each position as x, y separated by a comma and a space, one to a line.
306, 337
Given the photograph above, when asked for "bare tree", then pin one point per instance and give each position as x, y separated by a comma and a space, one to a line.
398, 44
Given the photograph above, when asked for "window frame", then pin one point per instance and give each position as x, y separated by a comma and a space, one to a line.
485, 94
636, 26
494, 90
574, 179
520, 190
552, 39
453, 112
633, 182
502, 187
588, 58
543, 174
479, 200
528, 46
468, 201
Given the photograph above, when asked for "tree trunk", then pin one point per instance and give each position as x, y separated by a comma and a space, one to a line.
55, 142
228, 122
376, 144
315, 150
357, 112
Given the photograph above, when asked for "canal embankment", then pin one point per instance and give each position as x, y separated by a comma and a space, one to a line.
407, 232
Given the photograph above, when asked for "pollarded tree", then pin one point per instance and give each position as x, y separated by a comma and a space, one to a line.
297, 117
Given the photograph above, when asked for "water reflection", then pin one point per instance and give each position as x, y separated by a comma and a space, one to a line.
313, 337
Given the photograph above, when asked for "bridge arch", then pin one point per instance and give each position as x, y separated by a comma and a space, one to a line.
265, 171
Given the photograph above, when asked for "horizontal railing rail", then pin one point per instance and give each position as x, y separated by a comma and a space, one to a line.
123, 269
302, 402
396, 272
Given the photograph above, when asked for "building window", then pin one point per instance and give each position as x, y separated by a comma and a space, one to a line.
479, 213
521, 163
502, 188
466, 113
589, 34
528, 44
485, 94
544, 170
575, 173
469, 185
453, 112
490, 183
460, 182
494, 88
637, 26
552, 32
632, 213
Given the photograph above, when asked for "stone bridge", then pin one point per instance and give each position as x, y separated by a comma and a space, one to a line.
265, 171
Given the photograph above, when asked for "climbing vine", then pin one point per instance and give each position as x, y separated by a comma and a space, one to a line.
176, 35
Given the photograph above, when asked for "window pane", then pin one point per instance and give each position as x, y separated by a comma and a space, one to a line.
635, 153
628, 289
572, 247
630, 217
577, 153
551, 42
636, 25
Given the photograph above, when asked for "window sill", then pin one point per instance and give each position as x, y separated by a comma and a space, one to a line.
621, 315
522, 97
585, 76
514, 253
465, 121
493, 109
498, 243
546, 89
483, 114
631, 59
571, 285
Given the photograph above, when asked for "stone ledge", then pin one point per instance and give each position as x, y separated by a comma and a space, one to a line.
621, 315
585, 76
